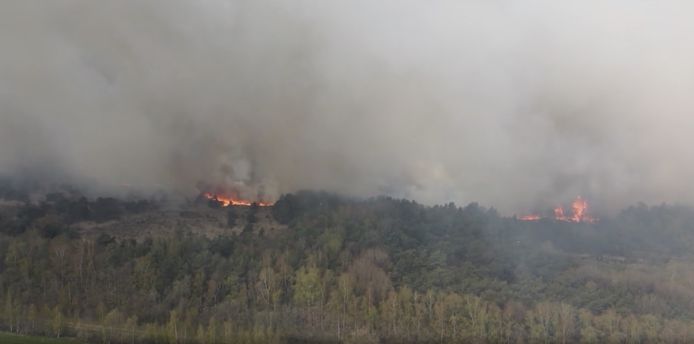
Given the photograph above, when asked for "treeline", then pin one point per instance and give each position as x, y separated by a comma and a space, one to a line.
182, 290
404, 316
380, 270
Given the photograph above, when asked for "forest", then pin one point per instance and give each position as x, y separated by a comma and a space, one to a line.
283, 172
342, 270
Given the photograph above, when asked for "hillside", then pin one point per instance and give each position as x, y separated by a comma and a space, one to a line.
318, 267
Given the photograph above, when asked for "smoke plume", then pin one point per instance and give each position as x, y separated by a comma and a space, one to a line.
516, 104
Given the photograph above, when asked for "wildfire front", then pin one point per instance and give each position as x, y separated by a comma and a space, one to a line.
579, 208
227, 200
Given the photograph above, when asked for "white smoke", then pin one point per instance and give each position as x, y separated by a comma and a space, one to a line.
515, 104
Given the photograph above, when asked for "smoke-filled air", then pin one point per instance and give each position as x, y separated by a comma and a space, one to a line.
515, 104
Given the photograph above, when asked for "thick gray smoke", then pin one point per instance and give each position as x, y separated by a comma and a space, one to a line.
516, 104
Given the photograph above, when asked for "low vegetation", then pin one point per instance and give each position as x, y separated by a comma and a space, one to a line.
11, 338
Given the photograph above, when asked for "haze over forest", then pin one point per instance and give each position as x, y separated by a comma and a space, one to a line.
515, 104
310, 171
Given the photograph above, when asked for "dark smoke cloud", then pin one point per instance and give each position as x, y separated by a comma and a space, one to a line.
517, 104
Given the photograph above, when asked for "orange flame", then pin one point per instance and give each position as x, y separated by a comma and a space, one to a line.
559, 214
579, 209
232, 201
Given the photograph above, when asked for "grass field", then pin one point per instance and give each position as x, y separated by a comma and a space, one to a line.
9, 338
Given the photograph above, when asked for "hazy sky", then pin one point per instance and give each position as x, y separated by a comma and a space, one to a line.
515, 104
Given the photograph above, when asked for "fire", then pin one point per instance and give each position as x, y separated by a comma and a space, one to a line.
229, 200
559, 214
531, 217
579, 208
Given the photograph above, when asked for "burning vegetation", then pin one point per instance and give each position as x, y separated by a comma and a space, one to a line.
226, 200
579, 208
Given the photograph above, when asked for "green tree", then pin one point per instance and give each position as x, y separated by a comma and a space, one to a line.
57, 322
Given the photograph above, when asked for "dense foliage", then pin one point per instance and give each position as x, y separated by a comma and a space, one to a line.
352, 271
